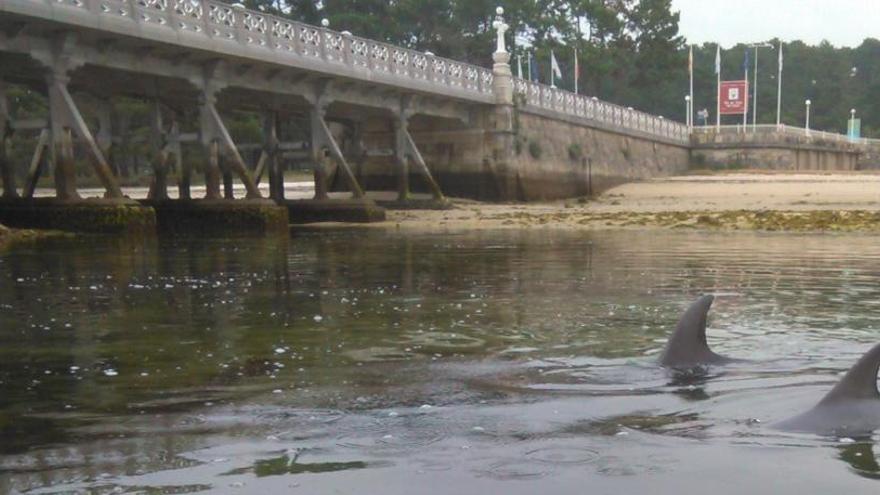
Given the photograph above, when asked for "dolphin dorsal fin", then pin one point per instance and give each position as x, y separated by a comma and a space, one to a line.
687, 345
860, 382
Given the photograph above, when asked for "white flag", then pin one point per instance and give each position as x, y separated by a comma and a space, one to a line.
554, 65
718, 59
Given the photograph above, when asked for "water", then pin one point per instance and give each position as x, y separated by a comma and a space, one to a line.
382, 362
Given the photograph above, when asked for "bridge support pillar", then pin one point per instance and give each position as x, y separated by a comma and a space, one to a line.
270, 152
165, 145
324, 146
213, 134
7, 174
65, 119
405, 149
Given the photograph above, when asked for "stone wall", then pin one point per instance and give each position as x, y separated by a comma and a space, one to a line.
557, 158
772, 151
551, 159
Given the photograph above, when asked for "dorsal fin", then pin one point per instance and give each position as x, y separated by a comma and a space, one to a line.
860, 382
687, 345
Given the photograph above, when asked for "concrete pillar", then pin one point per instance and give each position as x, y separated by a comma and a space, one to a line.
61, 147
7, 174
159, 188
503, 129
320, 155
401, 163
212, 147
271, 151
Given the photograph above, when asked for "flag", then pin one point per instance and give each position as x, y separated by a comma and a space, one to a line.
691, 60
718, 59
533, 69
519, 73
554, 65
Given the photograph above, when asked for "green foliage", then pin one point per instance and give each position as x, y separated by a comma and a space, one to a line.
535, 149
575, 152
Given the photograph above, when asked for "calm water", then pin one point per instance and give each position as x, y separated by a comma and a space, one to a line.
390, 363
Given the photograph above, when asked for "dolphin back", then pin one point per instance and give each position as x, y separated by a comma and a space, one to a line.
852, 406
687, 345
860, 382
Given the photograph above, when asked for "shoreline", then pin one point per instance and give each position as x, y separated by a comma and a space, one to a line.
820, 201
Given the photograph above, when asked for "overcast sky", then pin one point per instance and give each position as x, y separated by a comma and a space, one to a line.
842, 22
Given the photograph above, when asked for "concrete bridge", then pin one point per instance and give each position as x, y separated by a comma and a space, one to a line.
376, 116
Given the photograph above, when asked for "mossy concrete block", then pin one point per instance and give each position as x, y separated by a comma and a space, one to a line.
334, 210
99, 216
219, 217
416, 204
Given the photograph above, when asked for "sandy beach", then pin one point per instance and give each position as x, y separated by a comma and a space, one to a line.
754, 201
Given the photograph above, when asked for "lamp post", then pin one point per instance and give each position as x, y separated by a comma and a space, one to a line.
687, 111
807, 124
755, 85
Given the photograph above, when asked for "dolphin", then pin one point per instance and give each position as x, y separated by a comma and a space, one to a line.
851, 407
687, 346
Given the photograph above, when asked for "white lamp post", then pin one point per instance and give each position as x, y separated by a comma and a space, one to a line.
687, 111
807, 125
325, 23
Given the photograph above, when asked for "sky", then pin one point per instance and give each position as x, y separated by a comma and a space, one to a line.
841, 22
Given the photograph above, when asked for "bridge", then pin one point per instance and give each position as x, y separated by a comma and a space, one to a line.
364, 114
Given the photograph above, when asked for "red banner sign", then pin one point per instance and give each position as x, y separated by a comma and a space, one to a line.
734, 97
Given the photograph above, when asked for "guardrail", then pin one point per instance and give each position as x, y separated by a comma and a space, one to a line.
293, 40
596, 111
783, 129
287, 40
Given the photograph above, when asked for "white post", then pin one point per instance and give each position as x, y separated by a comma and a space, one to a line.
779, 89
746, 109
718, 88
691, 92
755, 93
687, 111
807, 125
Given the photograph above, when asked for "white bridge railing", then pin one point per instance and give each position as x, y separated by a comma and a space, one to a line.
783, 129
187, 22
594, 110
293, 40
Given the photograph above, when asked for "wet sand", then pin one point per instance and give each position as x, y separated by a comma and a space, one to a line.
743, 201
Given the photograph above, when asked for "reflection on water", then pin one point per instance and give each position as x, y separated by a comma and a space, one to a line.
346, 359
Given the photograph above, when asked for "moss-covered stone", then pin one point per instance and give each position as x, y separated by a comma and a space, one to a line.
90, 216
220, 217
334, 210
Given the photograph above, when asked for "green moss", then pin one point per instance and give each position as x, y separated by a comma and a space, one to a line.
90, 217
220, 218
575, 152
535, 149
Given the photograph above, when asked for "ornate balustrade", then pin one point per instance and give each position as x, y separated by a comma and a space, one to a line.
286, 41
594, 111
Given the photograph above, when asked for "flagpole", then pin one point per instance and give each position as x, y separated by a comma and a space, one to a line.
718, 88
746, 107
691, 71
529, 64
552, 80
576, 74
779, 89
